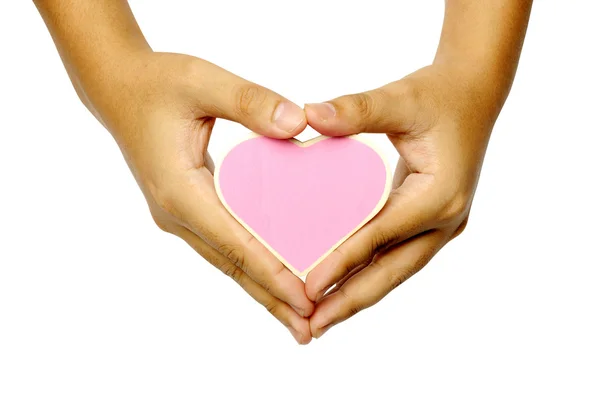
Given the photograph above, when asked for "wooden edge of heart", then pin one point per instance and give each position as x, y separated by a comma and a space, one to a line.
376, 209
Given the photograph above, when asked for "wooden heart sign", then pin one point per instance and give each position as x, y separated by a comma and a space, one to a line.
303, 199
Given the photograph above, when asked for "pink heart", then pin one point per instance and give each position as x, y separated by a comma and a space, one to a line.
302, 200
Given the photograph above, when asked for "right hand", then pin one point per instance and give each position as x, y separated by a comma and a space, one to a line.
161, 109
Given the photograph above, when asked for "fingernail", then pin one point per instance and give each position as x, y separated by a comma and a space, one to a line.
287, 117
298, 310
324, 111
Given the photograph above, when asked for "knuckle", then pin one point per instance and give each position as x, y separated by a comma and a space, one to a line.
234, 272
268, 280
353, 307
166, 204
423, 102
249, 99
456, 208
412, 90
268, 288
353, 310
347, 268
188, 68
461, 228
271, 306
397, 274
364, 105
380, 240
164, 201
235, 254
396, 278
161, 223
346, 263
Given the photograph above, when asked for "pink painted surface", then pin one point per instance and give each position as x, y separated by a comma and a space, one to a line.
302, 200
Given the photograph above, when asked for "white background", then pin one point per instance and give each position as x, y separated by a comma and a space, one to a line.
95, 301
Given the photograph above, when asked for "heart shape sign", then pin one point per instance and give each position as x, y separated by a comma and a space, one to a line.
303, 199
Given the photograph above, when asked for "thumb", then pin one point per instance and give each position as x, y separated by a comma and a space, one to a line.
388, 109
228, 96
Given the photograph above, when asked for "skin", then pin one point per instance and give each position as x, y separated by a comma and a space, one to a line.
161, 108
439, 119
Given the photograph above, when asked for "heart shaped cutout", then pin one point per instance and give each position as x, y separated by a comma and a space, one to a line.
303, 199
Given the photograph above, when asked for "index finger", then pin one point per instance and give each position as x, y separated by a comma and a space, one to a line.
410, 210
376, 280
201, 210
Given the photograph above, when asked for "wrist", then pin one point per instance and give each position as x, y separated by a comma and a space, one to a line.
103, 73
96, 41
482, 85
106, 84
480, 45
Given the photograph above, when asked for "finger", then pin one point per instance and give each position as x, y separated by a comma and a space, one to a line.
201, 211
384, 274
410, 210
224, 95
389, 109
339, 284
400, 175
297, 325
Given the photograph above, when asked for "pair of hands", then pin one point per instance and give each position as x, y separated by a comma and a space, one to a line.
162, 108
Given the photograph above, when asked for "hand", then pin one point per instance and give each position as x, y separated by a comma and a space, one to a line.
161, 109
440, 121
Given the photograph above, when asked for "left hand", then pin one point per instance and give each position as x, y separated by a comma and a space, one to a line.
439, 119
